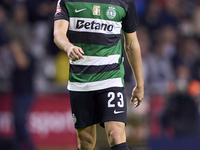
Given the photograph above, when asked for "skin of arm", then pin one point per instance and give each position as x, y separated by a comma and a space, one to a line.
133, 52
60, 30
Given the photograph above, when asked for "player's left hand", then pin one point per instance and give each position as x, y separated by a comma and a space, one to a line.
137, 96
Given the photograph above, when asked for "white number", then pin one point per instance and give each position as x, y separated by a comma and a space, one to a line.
112, 97
121, 98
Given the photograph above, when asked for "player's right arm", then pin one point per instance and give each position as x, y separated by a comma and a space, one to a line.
60, 31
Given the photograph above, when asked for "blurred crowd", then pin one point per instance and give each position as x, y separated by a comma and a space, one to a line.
168, 31
28, 25
169, 34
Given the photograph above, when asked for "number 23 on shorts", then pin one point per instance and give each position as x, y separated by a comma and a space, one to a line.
112, 96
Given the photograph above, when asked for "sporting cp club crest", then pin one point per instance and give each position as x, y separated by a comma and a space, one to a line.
74, 118
111, 12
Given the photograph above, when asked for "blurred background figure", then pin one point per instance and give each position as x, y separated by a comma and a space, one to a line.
23, 95
180, 118
18, 34
160, 70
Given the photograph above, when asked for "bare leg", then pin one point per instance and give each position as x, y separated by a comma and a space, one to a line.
115, 132
86, 138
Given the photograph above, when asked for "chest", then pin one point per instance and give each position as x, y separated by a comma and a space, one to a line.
90, 10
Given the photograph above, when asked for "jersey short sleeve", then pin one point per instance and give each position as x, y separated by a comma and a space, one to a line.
61, 11
130, 22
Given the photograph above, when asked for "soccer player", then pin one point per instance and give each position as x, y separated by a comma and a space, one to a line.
96, 85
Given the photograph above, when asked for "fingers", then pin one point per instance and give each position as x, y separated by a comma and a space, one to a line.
137, 96
135, 101
75, 53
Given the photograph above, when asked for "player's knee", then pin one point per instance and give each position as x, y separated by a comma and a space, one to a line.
85, 145
115, 132
87, 142
115, 137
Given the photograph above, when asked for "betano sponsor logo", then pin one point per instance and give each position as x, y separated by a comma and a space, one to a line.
94, 25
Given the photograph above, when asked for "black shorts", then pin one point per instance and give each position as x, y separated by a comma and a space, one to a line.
94, 107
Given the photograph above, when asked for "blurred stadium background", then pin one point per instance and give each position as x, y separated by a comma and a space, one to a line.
168, 118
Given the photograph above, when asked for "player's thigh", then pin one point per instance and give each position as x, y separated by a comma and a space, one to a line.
82, 105
87, 134
111, 105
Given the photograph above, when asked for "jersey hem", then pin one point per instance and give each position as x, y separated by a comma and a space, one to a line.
94, 86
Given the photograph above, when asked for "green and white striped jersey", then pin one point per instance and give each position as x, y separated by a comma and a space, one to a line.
96, 27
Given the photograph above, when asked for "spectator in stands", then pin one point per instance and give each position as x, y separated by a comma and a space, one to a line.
180, 117
18, 34
160, 70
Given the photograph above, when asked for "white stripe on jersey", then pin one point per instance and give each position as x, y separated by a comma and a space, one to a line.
92, 86
91, 25
96, 60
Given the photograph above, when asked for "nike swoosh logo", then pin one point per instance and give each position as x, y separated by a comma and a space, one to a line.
76, 11
118, 112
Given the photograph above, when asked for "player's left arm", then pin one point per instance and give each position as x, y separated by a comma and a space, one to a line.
133, 52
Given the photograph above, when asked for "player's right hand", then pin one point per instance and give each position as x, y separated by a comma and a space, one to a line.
75, 53
137, 96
